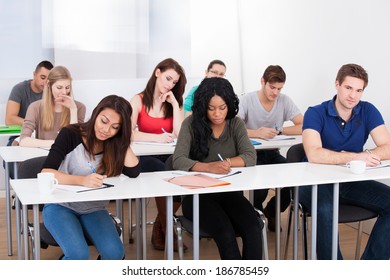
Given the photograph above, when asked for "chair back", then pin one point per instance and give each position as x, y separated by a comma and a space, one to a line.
296, 153
31, 167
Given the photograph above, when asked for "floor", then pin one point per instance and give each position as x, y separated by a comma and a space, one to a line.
208, 249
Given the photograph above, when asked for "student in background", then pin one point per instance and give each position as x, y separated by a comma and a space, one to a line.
212, 130
104, 142
264, 112
157, 117
24, 93
55, 110
335, 132
216, 68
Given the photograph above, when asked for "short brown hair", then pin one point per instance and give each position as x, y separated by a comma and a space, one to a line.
352, 70
274, 74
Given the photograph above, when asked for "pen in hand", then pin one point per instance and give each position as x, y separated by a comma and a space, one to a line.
220, 157
163, 130
368, 151
92, 168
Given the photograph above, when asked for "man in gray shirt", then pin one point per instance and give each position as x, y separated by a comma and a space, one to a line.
22, 95
26, 92
264, 113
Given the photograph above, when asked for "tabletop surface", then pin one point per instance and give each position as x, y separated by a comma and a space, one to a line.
153, 185
19, 154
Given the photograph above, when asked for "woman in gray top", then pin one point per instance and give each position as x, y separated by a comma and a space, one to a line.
213, 130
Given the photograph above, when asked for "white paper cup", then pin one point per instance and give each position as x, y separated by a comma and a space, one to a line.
357, 166
46, 182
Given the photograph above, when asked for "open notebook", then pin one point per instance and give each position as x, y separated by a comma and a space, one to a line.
196, 181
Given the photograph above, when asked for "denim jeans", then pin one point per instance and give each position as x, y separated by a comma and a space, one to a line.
372, 195
70, 230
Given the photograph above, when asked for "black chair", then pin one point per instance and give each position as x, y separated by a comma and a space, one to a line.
29, 169
181, 224
347, 213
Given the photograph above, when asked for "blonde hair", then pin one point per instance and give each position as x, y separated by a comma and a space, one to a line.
47, 105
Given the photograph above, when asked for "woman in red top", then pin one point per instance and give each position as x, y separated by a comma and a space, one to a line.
157, 117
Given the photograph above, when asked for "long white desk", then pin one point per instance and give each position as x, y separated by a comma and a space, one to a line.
17, 154
251, 178
161, 149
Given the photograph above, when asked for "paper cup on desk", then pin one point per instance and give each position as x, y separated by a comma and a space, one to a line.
46, 182
357, 166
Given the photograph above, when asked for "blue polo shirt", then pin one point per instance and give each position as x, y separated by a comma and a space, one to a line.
349, 137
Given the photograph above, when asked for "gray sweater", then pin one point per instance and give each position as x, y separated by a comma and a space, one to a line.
233, 142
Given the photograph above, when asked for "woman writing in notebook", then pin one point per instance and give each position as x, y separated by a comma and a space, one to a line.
212, 130
85, 154
55, 110
157, 117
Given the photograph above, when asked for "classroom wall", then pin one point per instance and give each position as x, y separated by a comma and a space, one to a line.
309, 39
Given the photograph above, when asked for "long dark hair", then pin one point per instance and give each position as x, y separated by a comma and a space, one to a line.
178, 89
114, 148
200, 122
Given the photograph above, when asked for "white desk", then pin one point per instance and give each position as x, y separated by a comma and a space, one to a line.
158, 149
147, 149
256, 177
15, 154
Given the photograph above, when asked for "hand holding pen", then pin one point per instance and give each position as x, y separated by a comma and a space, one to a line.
372, 159
94, 179
226, 164
166, 137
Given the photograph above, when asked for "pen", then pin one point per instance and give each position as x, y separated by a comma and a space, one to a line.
278, 129
219, 155
92, 168
163, 130
105, 186
234, 173
368, 151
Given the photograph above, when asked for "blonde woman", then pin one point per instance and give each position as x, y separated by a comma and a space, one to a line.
55, 110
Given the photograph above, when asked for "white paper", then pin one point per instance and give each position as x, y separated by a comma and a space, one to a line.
280, 137
213, 175
156, 143
77, 188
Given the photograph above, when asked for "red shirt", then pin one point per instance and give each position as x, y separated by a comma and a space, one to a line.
150, 124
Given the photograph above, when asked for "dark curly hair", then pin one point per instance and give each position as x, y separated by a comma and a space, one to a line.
208, 88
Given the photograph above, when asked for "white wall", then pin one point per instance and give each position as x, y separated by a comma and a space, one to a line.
309, 39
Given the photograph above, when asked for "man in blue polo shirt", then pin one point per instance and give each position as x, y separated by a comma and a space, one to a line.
335, 132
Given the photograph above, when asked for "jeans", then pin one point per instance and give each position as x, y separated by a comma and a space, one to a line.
372, 195
71, 229
271, 157
224, 215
